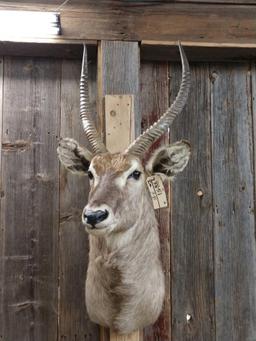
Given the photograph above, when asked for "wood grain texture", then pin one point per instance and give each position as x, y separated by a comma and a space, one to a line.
137, 21
118, 73
119, 122
1, 212
233, 195
58, 4
30, 198
192, 228
154, 101
78, 3
74, 321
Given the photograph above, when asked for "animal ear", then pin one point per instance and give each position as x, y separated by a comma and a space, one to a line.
73, 157
170, 160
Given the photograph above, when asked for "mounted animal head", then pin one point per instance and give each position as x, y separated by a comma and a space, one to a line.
118, 181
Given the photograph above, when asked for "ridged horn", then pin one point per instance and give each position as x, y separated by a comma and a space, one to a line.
146, 139
85, 110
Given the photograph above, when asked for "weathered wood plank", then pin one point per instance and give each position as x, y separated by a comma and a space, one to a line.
154, 101
57, 4
74, 321
118, 74
192, 227
166, 21
30, 198
233, 195
1, 225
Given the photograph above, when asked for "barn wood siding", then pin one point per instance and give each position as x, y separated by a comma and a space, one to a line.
1, 225
30, 198
210, 262
73, 257
154, 100
192, 228
233, 200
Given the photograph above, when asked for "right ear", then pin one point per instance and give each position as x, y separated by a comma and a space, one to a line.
74, 157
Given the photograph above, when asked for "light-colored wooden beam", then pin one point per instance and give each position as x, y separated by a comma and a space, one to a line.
135, 336
120, 128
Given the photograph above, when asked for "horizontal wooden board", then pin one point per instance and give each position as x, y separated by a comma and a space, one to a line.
150, 51
217, 24
59, 50
58, 4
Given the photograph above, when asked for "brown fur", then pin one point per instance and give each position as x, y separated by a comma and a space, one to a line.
118, 163
125, 280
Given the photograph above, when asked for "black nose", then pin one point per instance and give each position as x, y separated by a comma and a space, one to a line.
95, 217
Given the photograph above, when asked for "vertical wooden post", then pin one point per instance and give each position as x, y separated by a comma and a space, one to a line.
119, 123
118, 75
1, 229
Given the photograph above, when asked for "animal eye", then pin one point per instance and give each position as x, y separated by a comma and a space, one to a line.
135, 175
90, 175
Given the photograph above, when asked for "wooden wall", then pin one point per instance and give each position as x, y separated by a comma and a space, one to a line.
43, 246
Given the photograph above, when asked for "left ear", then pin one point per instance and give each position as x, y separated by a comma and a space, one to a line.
170, 160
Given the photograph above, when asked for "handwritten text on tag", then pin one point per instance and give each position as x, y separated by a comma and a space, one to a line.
157, 191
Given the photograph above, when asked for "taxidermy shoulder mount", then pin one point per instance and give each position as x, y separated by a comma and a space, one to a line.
125, 279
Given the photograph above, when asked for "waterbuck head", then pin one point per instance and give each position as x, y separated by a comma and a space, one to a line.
118, 181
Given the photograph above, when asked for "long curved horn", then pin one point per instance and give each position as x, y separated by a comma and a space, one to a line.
145, 140
85, 110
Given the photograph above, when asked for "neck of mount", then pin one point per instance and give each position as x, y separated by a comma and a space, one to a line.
145, 225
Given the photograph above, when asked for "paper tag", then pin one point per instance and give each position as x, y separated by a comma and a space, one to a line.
157, 191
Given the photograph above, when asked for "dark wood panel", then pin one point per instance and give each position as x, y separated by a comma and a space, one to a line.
149, 51
233, 194
154, 101
1, 213
74, 321
196, 52
57, 4
192, 228
52, 50
188, 22
213, 2
30, 199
